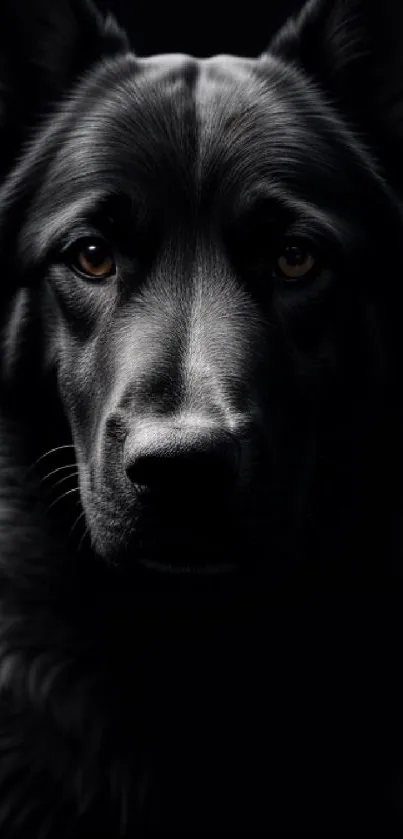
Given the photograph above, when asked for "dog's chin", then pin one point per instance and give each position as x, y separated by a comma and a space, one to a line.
187, 562
175, 545
186, 554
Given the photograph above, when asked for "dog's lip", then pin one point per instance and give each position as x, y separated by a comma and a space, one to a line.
179, 568
181, 552
190, 554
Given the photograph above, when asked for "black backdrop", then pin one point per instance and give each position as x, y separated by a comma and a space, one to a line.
201, 27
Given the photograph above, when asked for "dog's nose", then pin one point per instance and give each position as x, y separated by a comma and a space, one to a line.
189, 455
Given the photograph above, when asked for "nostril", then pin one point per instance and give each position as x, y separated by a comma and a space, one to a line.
190, 458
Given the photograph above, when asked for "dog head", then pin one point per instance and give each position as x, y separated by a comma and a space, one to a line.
207, 248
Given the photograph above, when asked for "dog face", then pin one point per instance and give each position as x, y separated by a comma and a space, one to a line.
206, 242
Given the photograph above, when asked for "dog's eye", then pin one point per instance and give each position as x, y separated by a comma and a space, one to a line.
295, 262
93, 258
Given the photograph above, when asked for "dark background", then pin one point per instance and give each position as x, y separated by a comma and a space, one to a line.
201, 27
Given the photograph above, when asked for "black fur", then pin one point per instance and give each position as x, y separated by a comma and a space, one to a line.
200, 490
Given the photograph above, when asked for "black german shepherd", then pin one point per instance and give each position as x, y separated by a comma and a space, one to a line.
200, 417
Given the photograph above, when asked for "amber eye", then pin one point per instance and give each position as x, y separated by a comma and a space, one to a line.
295, 262
93, 258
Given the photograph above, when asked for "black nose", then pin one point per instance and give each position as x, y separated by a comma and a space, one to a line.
190, 455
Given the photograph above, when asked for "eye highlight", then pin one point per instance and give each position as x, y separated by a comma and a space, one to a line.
92, 258
295, 262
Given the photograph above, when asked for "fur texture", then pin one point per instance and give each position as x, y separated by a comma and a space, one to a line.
200, 603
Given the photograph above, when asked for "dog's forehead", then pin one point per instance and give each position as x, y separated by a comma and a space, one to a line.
174, 112
214, 102
177, 133
154, 129
168, 114
166, 62
230, 68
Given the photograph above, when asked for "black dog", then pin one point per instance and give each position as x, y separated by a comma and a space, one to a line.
201, 260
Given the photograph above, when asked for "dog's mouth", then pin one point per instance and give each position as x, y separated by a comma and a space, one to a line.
186, 567
177, 540
184, 551
176, 549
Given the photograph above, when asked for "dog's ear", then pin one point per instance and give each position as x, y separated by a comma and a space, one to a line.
354, 50
45, 45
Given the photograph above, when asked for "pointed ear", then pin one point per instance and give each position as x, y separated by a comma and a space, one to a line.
45, 45
354, 51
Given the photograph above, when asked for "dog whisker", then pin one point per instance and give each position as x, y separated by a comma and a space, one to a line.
66, 478
61, 497
55, 471
85, 534
78, 519
47, 454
